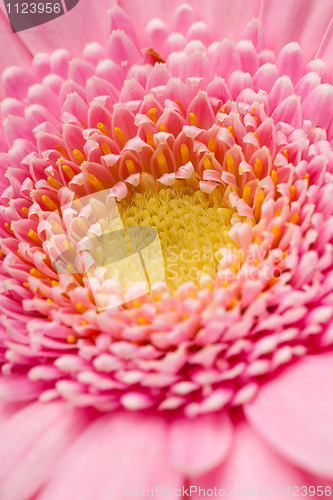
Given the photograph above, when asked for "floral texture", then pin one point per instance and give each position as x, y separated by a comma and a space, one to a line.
214, 129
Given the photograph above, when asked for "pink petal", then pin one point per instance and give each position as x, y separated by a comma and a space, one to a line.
265, 77
224, 18
60, 62
118, 452
174, 43
290, 62
79, 71
132, 91
318, 106
175, 62
184, 18
294, 23
119, 21
11, 106
281, 89
289, 111
201, 107
32, 441
122, 50
96, 87
110, 71
16, 82
239, 81
76, 106
197, 64
41, 64
306, 84
141, 12
255, 33
16, 128
197, 446
325, 49
156, 33
294, 414
93, 53
159, 76
318, 66
200, 31
16, 51
251, 465
219, 89
225, 58
248, 55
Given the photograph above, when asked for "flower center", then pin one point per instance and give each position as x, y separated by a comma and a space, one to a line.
175, 234
191, 228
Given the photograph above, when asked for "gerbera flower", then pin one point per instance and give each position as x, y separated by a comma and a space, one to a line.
203, 133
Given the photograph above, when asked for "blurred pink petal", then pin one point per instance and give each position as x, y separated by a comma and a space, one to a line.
199, 445
117, 453
295, 23
252, 469
302, 393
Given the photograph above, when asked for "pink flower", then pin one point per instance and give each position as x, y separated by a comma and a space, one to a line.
218, 135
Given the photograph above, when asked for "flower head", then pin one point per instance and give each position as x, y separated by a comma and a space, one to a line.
166, 246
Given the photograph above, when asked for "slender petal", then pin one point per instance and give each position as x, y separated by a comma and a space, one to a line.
199, 445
